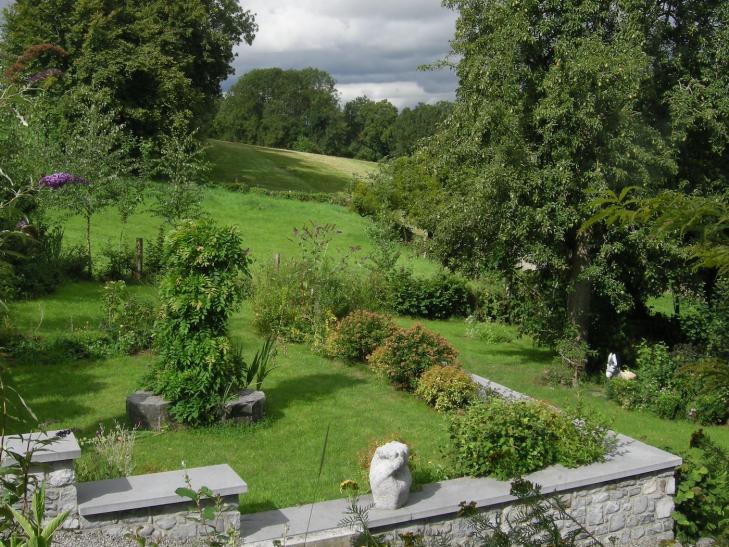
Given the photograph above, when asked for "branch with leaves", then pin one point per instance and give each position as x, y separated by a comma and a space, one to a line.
700, 223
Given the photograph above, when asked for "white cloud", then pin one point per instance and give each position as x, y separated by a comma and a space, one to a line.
400, 94
374, 47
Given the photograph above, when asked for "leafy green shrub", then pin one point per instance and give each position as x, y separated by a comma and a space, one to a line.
705, 388
508, 439
702, 496
655, 367
490, 332
408, 353
627, 393
668, 404
74, 263
119, 262
359, 334
205, 271
438, 297
707, 324
128, 322
492, 300
502, 439
71, 346
296, 299
446, 388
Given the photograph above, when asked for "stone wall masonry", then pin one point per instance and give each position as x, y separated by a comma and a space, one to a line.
60, 479
177, 520
52, 463
635, 512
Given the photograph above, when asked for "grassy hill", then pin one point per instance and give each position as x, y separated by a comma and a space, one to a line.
275, 169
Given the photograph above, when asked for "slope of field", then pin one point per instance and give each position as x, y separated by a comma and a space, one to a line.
274, 169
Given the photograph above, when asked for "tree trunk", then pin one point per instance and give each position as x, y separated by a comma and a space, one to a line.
579, 299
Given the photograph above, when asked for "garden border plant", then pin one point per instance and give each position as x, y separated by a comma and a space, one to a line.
205, 274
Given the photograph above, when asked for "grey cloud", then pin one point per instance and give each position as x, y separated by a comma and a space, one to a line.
374, 44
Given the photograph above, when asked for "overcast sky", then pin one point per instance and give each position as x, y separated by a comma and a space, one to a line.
371, 47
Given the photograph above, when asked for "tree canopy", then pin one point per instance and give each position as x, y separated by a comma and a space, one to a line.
295, 109
558, 100
144, 60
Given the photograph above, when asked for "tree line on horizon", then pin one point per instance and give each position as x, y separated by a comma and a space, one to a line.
301, 110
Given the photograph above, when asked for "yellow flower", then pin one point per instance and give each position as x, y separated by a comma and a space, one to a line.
344, 486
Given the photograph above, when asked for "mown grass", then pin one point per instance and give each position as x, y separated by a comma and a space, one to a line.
520, 365
306, 395
275, 169
266, 225
278, 458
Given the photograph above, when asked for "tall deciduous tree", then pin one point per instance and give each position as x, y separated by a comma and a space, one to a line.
369, 127
145, 59
283, 108
549, 106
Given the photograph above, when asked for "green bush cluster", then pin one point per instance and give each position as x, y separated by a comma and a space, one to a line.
128, 321
675, 385
489, 331
446, 388
358, 335
439, 297
508, 439
298, 298
707, 324
205, 272
702, 496
408, 353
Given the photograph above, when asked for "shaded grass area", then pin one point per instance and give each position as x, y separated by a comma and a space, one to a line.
266, 225
276, 169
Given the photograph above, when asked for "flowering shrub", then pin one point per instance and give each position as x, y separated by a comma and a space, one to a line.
58, 180
296, 298
358, 335
508, 439
111, 454
446, 388
408, 353
205, 269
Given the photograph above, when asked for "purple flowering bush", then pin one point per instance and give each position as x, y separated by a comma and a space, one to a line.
58, 180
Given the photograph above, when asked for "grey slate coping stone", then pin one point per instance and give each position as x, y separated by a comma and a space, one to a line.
632, 458
63, 448
503, 391
141, 491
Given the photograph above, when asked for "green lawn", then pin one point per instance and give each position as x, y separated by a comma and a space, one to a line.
519, 365
307, 394
276, 169
266, 225
279, 458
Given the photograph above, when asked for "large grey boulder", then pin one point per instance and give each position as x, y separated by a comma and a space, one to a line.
148, 411
249, 407
390, 477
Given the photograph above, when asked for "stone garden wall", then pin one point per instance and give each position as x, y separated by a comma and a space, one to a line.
174, 520
636, 511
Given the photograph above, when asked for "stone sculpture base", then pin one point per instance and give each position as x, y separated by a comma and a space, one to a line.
149, 411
